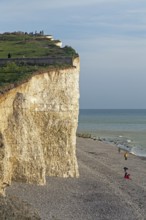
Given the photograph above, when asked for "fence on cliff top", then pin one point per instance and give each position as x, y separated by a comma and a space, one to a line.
38, 61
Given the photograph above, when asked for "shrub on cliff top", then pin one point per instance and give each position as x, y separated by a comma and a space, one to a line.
11, 72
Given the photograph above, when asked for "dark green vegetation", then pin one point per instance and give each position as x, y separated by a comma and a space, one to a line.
12, 73
24, 45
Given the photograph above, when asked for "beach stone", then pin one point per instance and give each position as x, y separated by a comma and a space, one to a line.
12, 208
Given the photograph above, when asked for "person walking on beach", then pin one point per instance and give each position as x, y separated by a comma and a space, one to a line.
125, 155
126, 175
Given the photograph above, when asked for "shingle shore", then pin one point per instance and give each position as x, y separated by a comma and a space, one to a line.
100, 193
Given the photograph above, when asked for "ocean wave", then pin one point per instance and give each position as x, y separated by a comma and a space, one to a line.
138, 151
121, 142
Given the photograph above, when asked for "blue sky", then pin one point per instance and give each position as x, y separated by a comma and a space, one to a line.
109, 35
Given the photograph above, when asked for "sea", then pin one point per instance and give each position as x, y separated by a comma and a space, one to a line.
125, 128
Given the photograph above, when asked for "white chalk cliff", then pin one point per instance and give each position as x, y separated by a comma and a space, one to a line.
38, 122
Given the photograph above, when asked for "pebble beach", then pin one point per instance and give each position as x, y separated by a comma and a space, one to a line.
100, 193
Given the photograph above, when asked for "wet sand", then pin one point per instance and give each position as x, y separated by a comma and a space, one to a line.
100, 193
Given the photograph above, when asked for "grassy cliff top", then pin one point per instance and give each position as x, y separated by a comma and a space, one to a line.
24, 45
20, 44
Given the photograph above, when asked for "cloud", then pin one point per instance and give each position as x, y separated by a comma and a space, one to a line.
109, 35
26, 5
43, 4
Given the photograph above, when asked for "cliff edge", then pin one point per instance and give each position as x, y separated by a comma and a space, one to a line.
38, 122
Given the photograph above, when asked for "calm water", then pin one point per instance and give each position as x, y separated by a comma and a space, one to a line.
125, 128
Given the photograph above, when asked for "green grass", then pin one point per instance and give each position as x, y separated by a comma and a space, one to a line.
27, 46
12, 74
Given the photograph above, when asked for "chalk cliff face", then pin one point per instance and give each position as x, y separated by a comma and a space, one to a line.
38, 122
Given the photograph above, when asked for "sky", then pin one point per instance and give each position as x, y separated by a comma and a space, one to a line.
109, 36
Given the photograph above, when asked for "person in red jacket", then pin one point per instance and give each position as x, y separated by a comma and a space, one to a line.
126, 175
